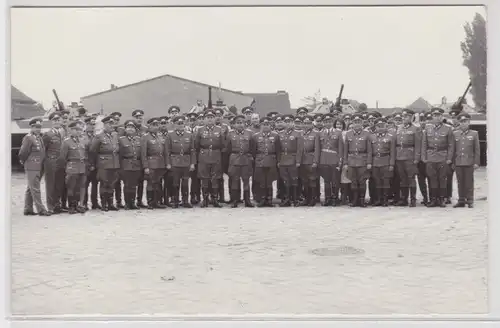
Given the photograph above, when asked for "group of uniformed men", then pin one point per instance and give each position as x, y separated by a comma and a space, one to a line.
391, 153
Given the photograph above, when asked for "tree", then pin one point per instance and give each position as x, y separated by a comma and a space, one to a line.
474, 56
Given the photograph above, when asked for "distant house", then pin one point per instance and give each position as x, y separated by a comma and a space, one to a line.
22, 106
420, 105
271, 102
156, 95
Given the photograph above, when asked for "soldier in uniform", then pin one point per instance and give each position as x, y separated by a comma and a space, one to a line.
195, 188
369, 124
310, 160
302, 112
82, 114
120, 131
130, 163
318, 127
209, 142
358, 158
219, 113
466, 160
437, 154
289, 159
384, 158
65, 120
422, 174
180, 158
32, 156
52, 141
455, 125
174, 111
265, 147
331, 146
247, 112
73, 158
408, 154
142, 129
237, 145
166, 183
153, 162
254, 128
104, 156
91, 179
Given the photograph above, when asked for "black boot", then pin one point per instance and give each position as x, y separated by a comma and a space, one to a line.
104, 202
158, 195
111, 206
150, 199
175, 197
335, 196
312, 197
234, 198
443, 198
433, 198
328, 195
221, 192
269, 197
246, 198
413, 196
185, 200
377, 197
384, 194
306, 197
404, 197
206, 198
215, 198
460, 203
72, 205
354, 201
343, 194
261, 192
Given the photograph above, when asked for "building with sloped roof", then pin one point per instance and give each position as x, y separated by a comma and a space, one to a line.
22, 106
271, 102
420, 105
156, 95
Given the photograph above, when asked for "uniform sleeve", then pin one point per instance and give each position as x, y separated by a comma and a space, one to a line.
93, 149
63, 156
197, 140
317, 149
277, 146
227, 145
346, 147
46, 139
369, 150
167, 149
192, 151
418, 144
424, 146
451, 145
144, 152
341, 149
477, 149
392, 160
24, 152
300, 148
253, 146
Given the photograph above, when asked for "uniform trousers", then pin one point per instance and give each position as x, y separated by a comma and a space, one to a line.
437, 173
309, 175
75, 183
107, 179
91, 180
32, 194
407, 170
465, 179
382, 176
290, 175
237, 173
53, 183
210, 172
131, 179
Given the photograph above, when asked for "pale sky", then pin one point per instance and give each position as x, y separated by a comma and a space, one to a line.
389, 54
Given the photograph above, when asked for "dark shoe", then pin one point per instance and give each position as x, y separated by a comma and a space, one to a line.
442, 202
28, 213
459, 204
44, 213
470, 205
448, 200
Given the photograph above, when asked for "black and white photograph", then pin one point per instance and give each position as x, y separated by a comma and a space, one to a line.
248, 160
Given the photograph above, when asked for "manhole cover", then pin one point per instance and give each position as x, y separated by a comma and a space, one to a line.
343, 250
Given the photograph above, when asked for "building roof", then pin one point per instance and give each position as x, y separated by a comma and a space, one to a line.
23, 107
114, 87
271, 102
420, 105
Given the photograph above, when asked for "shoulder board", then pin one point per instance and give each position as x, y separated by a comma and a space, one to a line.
67, 138
122, 137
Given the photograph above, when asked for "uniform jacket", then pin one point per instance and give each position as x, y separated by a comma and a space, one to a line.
265, 147
383, 149
142, 130
104, 151
209, 143
32, 152
86, 139
254, 129
73, 156
331, 147
466, 148
120, 130
357, 148
130, 153
153, 151
291, 147
408, 143
179, 149
52, 141
311, 147
238, 146
437, 143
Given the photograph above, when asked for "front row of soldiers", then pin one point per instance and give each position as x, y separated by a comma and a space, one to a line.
297, 151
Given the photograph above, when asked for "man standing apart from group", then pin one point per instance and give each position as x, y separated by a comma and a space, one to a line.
466, 160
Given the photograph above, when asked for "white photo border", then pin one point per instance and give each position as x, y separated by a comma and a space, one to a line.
288, 321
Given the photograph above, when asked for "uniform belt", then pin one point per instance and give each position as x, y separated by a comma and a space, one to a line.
239, 152
358, 153
406, 147
133, 157
382, 155
438, 149
151, 156
329, 151
76, 161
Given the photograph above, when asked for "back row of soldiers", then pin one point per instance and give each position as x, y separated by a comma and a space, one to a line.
345, 151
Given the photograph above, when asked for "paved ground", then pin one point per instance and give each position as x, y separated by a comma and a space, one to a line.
219, 261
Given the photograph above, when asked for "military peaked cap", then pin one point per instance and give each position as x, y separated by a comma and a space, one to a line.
247, 109
116, 114
54, 116
153, 120
173, 108
137, 112
36, 121
463, 115
437, 109
108, 119
302, 110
